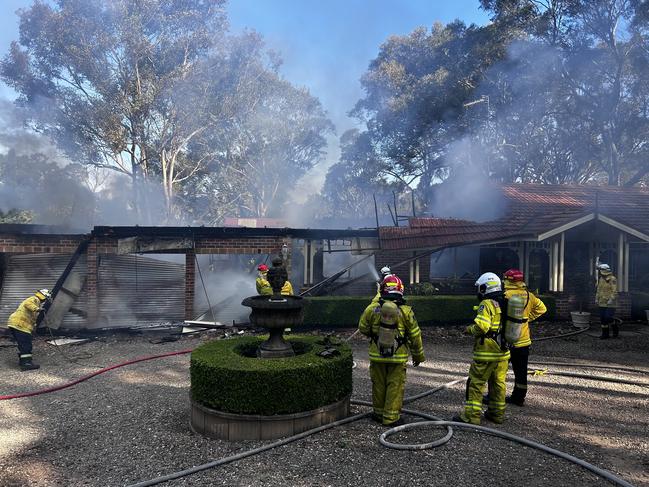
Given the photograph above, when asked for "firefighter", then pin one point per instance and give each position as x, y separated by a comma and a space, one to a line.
393, 331
21, 323
520, 349
606, 297
389, 280
490, 358
263, 286
385, 272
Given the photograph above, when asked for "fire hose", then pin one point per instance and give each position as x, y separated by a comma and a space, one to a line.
90, 376
432, 420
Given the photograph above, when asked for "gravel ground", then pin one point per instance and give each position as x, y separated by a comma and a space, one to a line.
131, 424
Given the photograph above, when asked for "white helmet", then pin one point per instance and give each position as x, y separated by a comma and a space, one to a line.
386, 271
488, 283
604, 267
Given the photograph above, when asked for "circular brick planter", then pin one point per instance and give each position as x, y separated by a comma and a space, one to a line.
237, 427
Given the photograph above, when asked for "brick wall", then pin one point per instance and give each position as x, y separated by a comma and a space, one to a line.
39, 244
250, 245
567, 302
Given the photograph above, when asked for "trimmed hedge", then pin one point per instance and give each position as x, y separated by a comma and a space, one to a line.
344, 311
224, 379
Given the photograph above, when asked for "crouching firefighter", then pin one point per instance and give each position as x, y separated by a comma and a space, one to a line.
393, 331
21, 323
522, 308
490, 355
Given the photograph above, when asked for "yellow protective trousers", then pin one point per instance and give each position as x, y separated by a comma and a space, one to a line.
388, 386
492, 373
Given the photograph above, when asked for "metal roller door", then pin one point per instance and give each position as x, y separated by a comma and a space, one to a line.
28, 273
136, 290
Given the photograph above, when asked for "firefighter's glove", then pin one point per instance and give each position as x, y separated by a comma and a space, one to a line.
415, 362
467, 331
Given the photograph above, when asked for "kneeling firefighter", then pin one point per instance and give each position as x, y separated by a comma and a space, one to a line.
522, 308
490, 355
21, 323
393, 331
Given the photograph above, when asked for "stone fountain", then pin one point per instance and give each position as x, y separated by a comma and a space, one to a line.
252, 388
275, 313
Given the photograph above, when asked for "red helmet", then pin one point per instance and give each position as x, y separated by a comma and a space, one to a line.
262, 268
392, 285
514, 275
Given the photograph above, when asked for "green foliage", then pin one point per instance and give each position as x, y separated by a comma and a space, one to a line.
43, 191
16, 216
343, 311
420, 289
225, 377
200, 121
548, 92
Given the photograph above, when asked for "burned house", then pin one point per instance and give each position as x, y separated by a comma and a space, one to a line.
554, 233
117, 277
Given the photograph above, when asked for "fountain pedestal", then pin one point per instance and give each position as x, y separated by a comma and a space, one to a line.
275, 313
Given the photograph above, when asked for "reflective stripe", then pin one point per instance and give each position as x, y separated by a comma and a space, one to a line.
523, 343
484, 320
25, 355
490, 356
520, 386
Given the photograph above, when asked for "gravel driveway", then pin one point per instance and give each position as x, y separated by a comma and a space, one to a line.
131, 424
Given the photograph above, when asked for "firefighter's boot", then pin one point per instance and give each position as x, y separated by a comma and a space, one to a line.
605, 333
26, 363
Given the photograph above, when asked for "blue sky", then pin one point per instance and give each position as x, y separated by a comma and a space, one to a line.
326, 44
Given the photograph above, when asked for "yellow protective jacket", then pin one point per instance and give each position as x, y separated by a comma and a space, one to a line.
263, 287
287, 289
407, 328
533, 309
24, 318
487, 320
606, 295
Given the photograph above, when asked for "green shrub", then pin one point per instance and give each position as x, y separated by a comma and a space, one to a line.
345, 311
420, 289
223, 378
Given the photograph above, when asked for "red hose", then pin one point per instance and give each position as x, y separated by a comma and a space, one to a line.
89, 376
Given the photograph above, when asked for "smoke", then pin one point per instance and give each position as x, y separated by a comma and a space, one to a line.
226, 281
468, 193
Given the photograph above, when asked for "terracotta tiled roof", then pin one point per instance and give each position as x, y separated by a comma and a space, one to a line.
531, 209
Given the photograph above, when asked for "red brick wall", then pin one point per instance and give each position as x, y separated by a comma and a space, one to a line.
567, 302
250, 245
39, 244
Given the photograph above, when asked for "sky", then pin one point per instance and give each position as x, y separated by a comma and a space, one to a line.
326, 45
